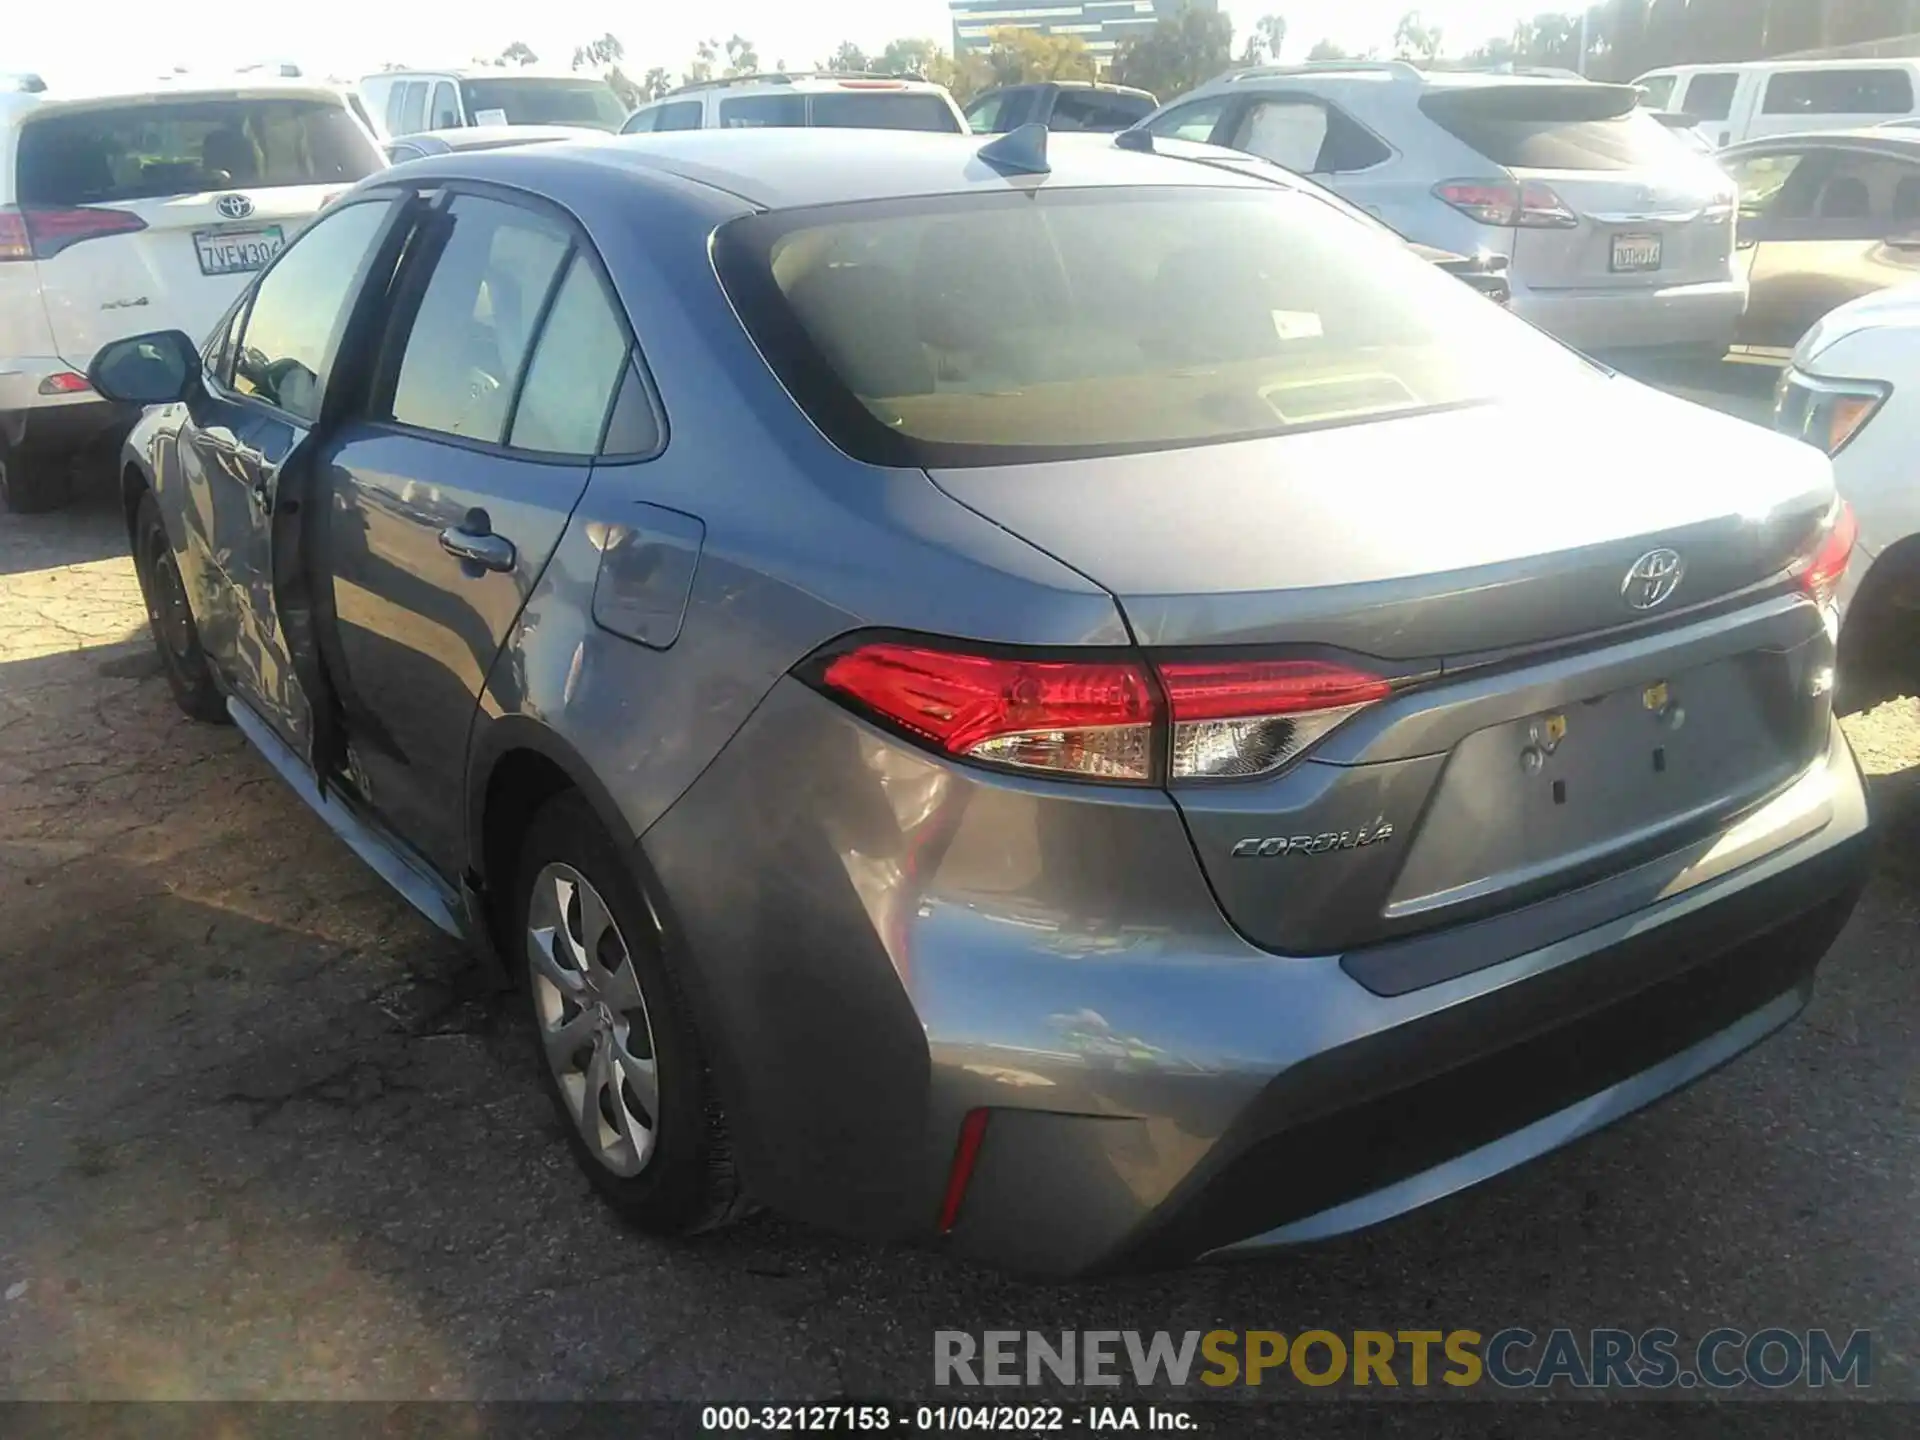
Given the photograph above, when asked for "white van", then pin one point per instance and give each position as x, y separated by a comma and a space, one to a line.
1756, 98
796, 99
405, 102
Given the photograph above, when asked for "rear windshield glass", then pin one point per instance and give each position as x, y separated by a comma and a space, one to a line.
184, 147
1027, 325
1590, 127
852, 109
530, 100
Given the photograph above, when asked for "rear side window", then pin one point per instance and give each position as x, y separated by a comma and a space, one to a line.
1839, 92
184, 147
983, 115
864, 110
413, 107
1307, 137
576, 367
995, 328
1589, 127
753, 112
464, 351
680, 115
1190, 122
1710, 97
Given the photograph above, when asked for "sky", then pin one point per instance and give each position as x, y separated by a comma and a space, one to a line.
135, 39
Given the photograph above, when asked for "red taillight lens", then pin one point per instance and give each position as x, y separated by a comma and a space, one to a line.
1528, 206
64, 382
1827, 566
1092, 719
1102, 719
39, 233
1239, 718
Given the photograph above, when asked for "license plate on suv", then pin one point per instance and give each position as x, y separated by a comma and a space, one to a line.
1635, 253
237, 252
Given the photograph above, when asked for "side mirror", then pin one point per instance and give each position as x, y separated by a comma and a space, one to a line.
155, 369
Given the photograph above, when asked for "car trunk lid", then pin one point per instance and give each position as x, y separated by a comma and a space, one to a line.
1492, 571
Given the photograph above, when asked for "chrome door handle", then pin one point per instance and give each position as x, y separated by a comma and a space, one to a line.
473, 540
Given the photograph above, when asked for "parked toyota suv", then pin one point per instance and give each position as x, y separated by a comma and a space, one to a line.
122, 212
1621, 236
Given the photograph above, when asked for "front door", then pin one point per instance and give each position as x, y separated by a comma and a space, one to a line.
246, 434
449, 493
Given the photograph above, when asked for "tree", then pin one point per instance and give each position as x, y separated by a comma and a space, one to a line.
1019, 57
1263, 43
742, 58
1181, 52
655, 83
623, 85
604, 51
1325, 50
705, 56
518, 53
902, 57
1415, 40
849, 59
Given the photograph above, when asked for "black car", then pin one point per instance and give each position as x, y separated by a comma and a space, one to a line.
1059, 105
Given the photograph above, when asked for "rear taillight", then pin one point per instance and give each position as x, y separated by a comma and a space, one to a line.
35, 232
1527, 205
1094, 719
1826, 565
1238, 718
1121, 720
64, 382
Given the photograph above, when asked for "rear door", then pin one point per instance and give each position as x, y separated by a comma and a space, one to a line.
1642, 211
451, 488
162, 208
1821, 225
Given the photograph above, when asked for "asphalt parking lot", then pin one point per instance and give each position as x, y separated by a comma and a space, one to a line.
258, 1138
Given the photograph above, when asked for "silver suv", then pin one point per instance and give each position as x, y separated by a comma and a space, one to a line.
1621, 237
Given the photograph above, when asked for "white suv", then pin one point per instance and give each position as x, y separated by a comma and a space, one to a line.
127, 213
825, 99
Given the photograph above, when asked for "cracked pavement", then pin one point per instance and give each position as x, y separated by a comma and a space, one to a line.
259, 1137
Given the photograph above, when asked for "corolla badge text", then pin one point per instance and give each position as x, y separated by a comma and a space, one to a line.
1256, 847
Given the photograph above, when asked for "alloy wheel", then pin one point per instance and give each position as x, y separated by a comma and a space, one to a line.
593, 1019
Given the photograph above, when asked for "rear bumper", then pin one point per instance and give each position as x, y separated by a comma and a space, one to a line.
59, 422
1679, 317
910, 941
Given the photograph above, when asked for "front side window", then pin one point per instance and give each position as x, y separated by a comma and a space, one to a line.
299, 306
575, 369
1710, 96
148, 149
983, 115
996, 328
470, 336
1657, 90
413, 107
1190, 122
1839, 92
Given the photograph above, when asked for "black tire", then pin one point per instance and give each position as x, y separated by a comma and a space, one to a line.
688, 1184
170, 617
32, 483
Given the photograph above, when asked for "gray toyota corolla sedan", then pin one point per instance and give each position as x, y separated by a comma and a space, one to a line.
1089, 711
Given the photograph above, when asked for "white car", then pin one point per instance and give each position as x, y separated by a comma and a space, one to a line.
1853, 389
125, 213
796, 100
406, 102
